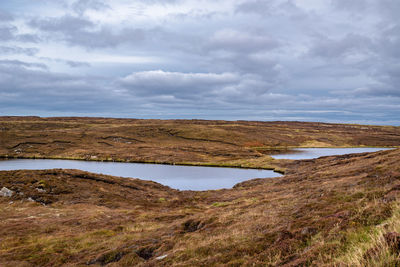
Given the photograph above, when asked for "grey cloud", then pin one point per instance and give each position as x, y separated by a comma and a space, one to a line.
203, 88
254, 64
257, 7
5, 16
70, 63
239, 41
384, 68
335, 48
7, 32
325, 60
195, 14
162, 2
18, 50
27, 38
389, 80
390, 9
267, 9
77, 64
22, 87
81, 6
179, 84
67, 24
353, 5
376, 90
83, 32
390, 41
22, 64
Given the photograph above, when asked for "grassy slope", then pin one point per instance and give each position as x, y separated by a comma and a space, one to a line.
333, 210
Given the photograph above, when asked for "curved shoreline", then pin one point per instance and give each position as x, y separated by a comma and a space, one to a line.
193, 164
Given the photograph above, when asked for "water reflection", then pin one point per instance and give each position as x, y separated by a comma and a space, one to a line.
310, 153
178, 177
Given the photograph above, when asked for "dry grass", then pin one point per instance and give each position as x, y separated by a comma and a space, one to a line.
333, 211
216, 143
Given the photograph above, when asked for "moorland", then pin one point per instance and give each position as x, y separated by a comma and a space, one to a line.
332, 211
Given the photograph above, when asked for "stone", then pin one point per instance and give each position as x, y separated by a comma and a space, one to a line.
161, 257
5, 192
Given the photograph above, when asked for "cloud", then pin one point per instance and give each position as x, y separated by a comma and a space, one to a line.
354, 5
240, 41
65, 24
70, 63
9, 32
390, 41
279, 59
351, 44
389, 9
23, 87
6, 50
5, 16
213, 90
266, 9
80, 31
13, 63
159, 82
81, 6
76, 64
257, 7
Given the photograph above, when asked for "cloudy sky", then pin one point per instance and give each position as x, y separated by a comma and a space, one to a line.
306, 60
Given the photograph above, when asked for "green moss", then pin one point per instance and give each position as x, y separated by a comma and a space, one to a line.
220, 204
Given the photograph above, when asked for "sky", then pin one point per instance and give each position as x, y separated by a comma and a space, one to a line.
302, 60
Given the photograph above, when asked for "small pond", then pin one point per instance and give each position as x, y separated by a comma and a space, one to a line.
310, 153
178, 177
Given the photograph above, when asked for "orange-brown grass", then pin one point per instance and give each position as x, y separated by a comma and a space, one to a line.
200, 142
332, 211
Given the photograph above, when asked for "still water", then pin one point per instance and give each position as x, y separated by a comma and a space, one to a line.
178, 177
310, 153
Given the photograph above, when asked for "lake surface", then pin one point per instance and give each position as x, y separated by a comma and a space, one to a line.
178, 177
310, 153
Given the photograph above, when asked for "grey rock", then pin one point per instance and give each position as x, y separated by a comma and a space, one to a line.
5, 192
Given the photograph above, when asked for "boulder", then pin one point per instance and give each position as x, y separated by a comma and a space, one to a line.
5, 192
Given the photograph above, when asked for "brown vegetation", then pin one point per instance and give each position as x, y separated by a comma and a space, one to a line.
331, 211
339, 210
197, 142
